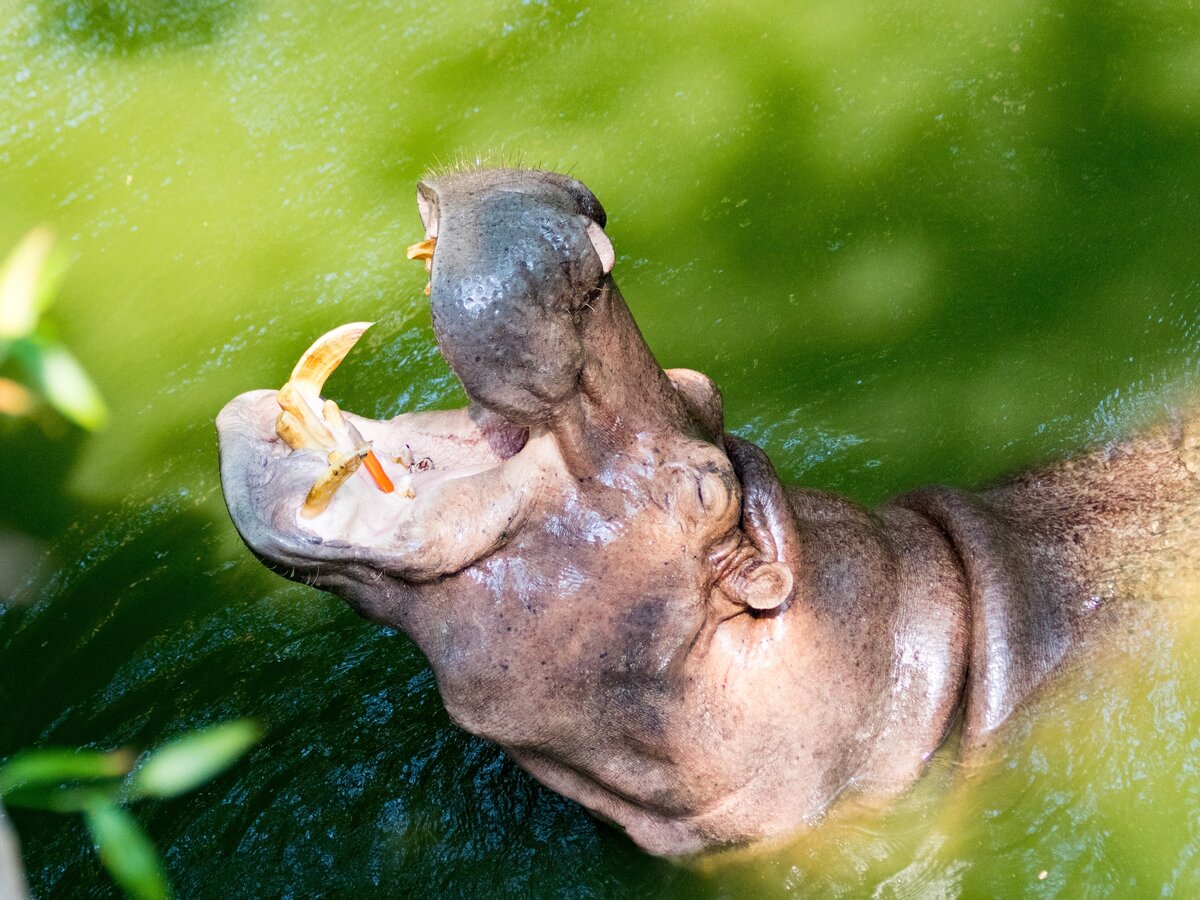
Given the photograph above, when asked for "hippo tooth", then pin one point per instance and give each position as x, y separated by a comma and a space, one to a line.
333, 415
307, 421
326, 353
341, 467
298, 424
292, 430
423, 250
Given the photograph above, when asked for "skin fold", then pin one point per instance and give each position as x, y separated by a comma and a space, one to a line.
627, 599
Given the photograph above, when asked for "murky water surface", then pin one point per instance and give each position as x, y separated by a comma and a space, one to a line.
912, 242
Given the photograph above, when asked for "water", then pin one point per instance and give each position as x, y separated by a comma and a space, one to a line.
912, 242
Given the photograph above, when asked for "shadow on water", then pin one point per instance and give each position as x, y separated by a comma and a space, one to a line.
194, 639
127, 27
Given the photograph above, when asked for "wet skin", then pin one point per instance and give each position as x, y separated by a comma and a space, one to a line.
626, 598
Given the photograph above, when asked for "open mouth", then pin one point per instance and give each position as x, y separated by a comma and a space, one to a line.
512, 279
395, 466
565, 399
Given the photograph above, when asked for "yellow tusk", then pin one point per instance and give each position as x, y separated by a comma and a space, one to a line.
341, 467
333, 414
293, 432
292, 402
326, 353
422, 250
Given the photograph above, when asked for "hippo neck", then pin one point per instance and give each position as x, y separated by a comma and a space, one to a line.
624, 391
881, 606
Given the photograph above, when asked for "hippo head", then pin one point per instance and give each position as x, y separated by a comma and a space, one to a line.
574, 429
602, 581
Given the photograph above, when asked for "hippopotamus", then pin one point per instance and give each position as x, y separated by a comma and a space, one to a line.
626, 598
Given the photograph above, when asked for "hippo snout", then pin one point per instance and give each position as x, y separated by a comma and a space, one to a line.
512, 271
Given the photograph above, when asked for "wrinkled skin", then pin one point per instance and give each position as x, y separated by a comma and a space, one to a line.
626, 598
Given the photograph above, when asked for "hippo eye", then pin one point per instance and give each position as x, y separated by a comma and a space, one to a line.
713, 492
702, 493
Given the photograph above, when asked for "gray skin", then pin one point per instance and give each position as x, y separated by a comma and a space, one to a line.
625, 597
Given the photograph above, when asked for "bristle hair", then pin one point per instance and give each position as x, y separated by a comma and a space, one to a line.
501, 158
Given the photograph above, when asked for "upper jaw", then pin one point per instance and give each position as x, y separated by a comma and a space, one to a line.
504, 302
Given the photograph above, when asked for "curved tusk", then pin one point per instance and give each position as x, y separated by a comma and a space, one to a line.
326, 353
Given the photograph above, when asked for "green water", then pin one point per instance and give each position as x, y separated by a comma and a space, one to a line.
912, 242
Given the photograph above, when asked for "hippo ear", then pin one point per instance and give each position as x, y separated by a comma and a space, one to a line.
764, 579
760, 585
602, 245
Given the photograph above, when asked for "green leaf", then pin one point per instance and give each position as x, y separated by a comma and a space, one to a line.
188, 761
127, 852
62, 799
54, 766
65, 383
29, 279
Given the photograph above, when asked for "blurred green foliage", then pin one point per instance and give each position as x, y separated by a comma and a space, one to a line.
100, 785
29, 280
